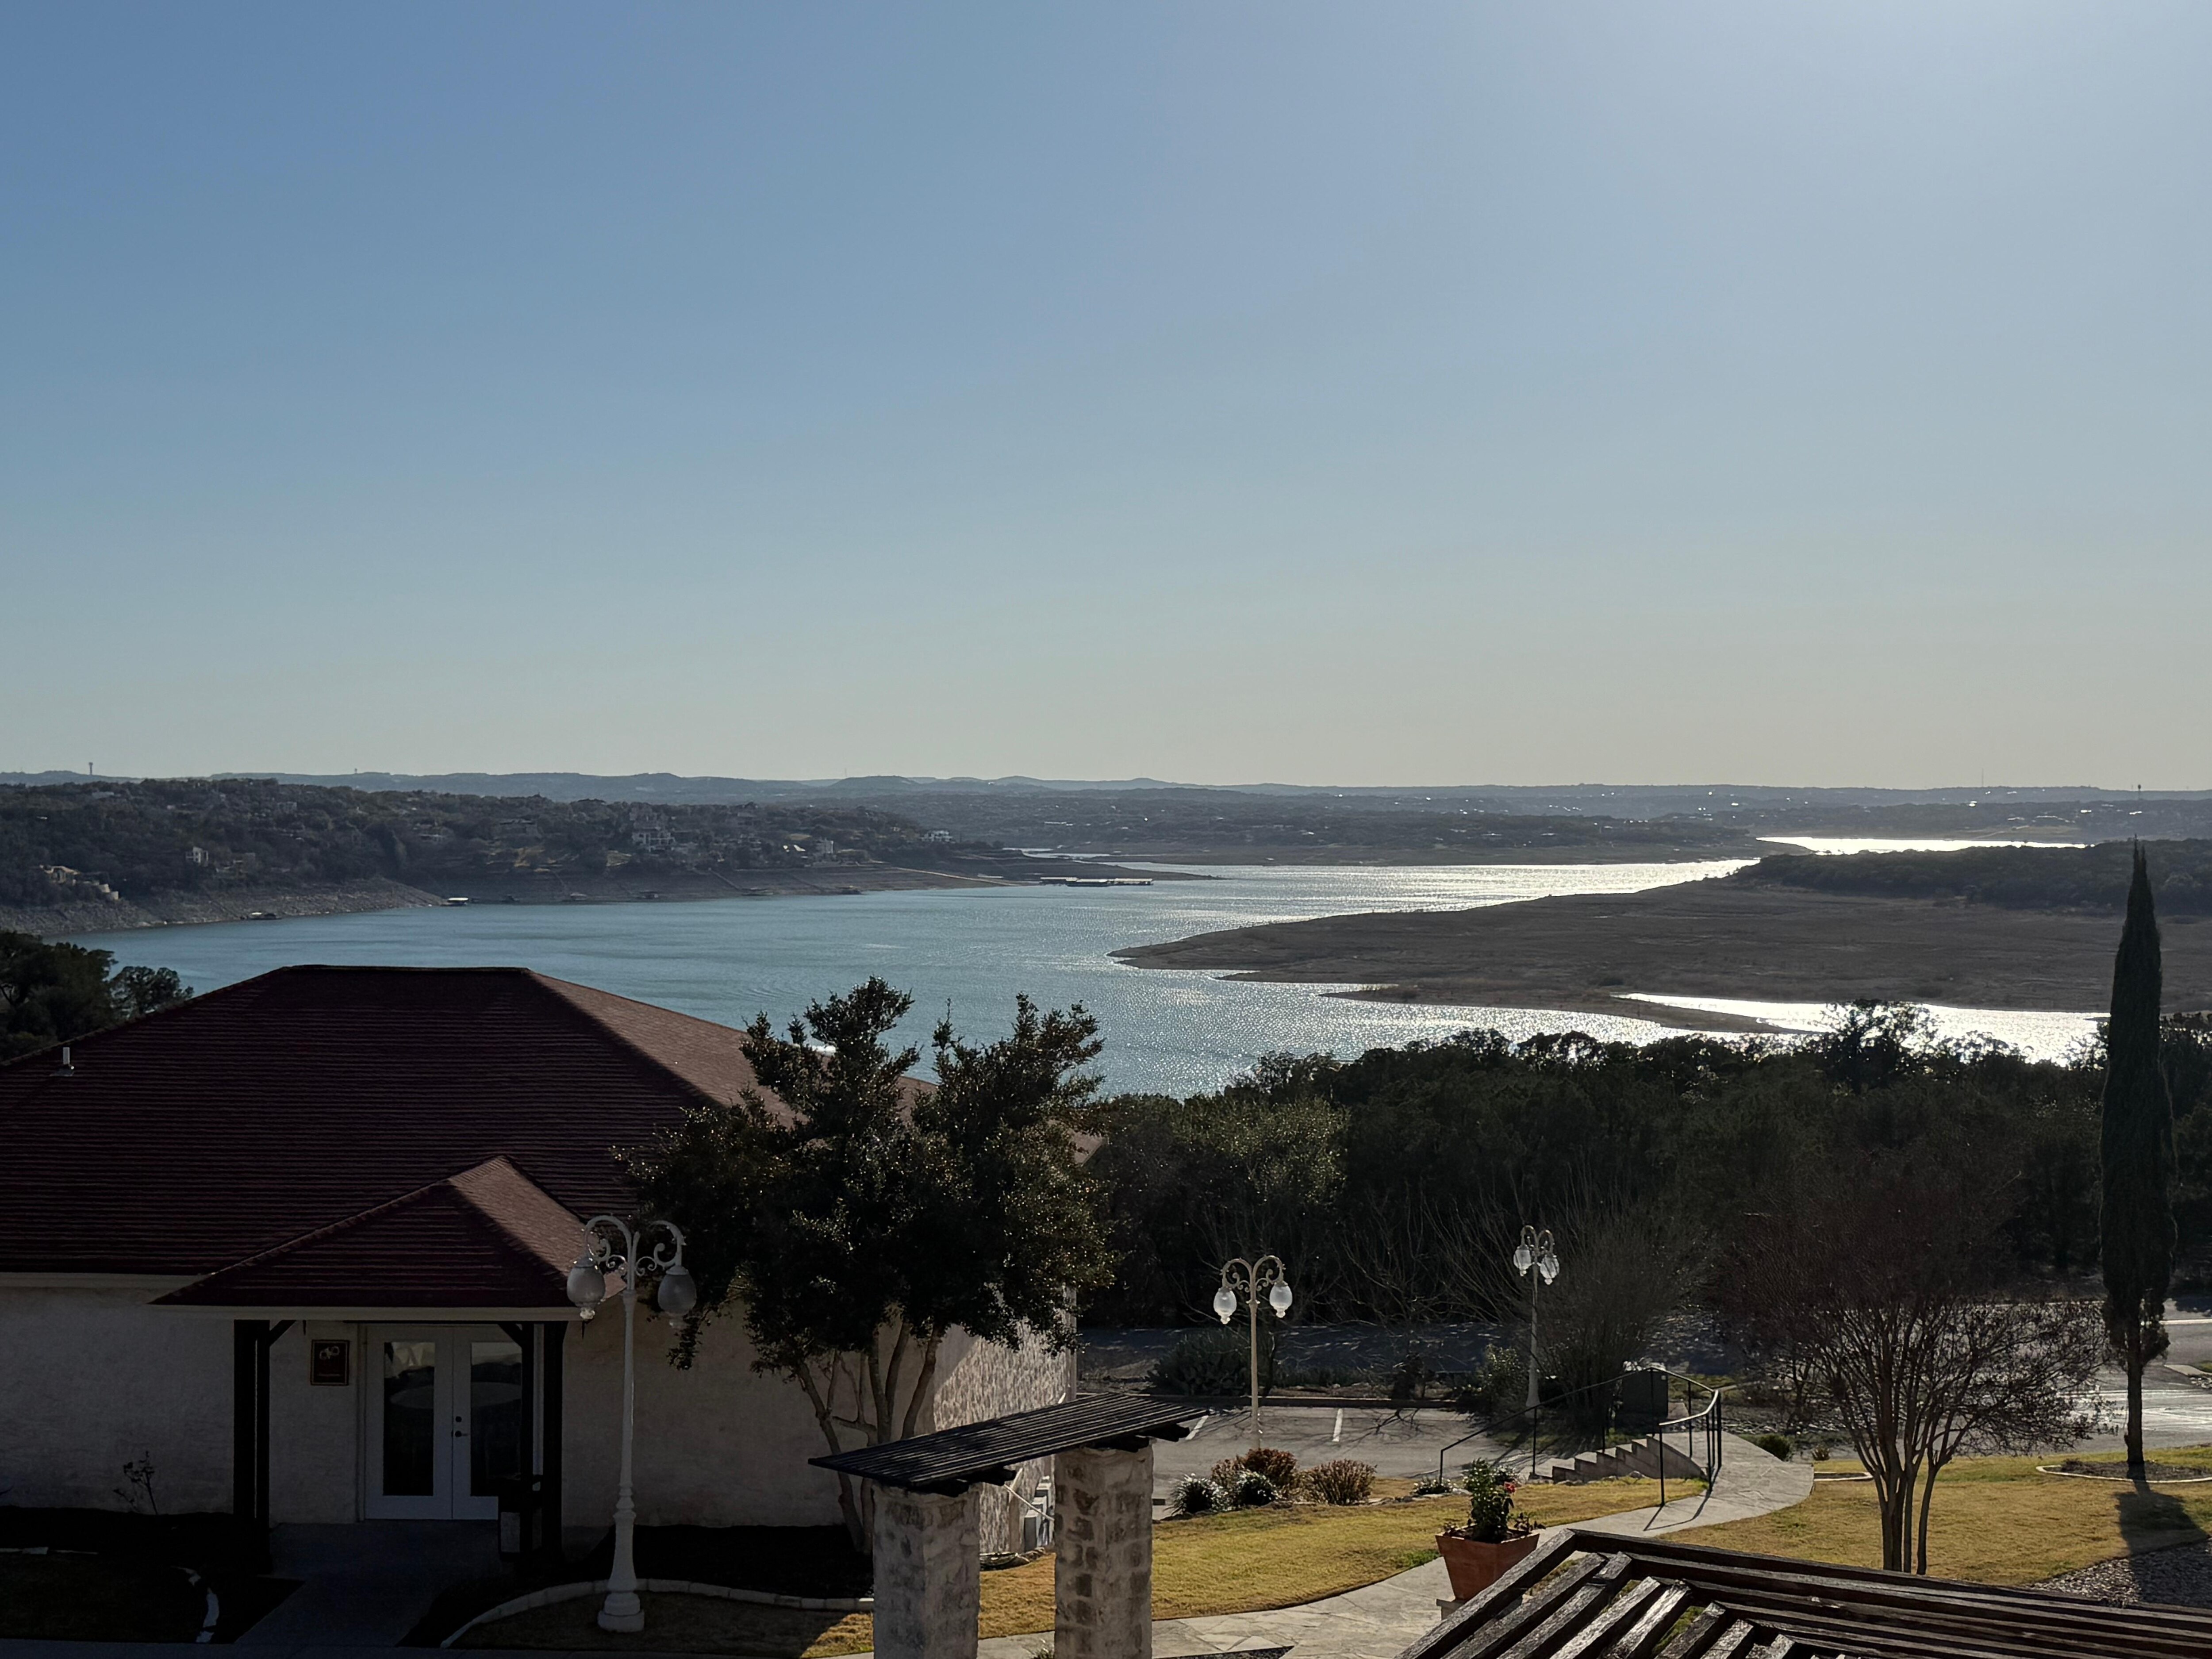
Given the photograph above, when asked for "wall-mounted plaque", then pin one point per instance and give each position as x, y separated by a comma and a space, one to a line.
330, 1362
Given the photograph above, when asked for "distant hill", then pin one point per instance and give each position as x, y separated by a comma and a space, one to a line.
2015, 878
131, 841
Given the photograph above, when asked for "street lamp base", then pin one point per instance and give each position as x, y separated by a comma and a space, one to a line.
623, 1612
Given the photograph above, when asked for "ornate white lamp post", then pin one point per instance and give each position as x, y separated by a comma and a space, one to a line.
1538, 1261
612, 1245
1253, 1280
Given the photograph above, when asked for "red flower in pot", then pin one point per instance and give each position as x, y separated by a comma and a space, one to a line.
1497, 1533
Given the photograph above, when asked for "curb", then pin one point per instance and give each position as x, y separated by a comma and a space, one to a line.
557, 1593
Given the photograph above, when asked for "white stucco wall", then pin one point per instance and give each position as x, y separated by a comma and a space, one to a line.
718, 1445
722, 1444
314, 1433
91, 1379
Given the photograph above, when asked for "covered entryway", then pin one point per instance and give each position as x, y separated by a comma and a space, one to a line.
442, 1313
448, 1417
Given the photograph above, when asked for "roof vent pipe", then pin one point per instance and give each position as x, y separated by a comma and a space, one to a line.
68, 1069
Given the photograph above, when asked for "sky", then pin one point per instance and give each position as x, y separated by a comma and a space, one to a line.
1354, 394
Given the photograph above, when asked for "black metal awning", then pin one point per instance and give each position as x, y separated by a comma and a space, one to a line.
987, 1452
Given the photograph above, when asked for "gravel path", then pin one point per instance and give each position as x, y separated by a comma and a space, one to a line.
2181, 1576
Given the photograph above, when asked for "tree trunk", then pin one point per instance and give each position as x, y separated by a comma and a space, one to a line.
1927, 1500
2136, 1358
856, 1525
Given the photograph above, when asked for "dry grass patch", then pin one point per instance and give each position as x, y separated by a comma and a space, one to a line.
1996, 1519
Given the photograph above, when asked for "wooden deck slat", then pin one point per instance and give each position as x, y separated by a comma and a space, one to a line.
1507, 1590
1908, 1642
1700, 1633
1736, 1639
1617, 1615
1502, 1632
1995, 1634
1694, 1563
1641, 1640
1571, 1613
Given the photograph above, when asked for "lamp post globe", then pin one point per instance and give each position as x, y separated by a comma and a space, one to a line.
588, 1285
1255, 1282
677, 1294
1536, 1258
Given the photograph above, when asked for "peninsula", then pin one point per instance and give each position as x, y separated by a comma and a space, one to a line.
1998, 928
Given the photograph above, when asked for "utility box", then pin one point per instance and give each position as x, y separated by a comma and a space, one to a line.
1642, 1402
521, 1515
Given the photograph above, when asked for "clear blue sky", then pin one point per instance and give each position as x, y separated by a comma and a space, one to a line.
1366, 393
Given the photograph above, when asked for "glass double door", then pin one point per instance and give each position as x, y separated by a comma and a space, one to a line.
447, 1420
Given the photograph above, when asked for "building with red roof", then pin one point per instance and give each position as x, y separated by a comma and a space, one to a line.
303, 1244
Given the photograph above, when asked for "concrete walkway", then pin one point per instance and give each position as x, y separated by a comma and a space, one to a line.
365, 1584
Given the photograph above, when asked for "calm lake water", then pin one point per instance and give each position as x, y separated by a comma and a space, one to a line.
730, 959
1174, 1031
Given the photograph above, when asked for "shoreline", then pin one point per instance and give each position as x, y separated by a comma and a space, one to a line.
190, 909
1587, 953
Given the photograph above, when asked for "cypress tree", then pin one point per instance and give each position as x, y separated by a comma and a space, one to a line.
2137, 1214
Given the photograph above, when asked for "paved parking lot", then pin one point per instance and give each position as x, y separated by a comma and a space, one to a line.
1397, 1443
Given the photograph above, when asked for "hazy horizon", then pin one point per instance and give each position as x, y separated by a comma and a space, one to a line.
1042, 782
1332, 395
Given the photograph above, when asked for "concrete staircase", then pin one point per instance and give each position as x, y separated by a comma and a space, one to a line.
1631, 1457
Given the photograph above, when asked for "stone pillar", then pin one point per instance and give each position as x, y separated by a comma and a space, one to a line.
928, 1575
1102, 1533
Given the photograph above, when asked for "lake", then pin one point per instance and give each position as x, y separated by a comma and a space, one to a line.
974, 949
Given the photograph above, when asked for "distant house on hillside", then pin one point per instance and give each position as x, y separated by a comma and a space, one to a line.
303, 1244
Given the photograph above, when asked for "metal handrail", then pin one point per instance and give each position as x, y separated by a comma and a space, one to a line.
1708, 1416
1535, 1411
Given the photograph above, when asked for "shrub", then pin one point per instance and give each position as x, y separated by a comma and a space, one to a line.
1499, 1386
1492, 1516
1278, 1465
1252, 1490
1207, 1363
1775, 1445
1195, 1494
1410, 1378
1340, 1481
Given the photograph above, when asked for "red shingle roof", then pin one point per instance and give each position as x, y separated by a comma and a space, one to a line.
255, 1115
488, 1237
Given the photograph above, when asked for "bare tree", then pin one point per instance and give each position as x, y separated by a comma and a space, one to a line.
1882, 1286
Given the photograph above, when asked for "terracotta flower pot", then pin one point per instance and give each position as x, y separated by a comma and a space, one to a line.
1475, 1567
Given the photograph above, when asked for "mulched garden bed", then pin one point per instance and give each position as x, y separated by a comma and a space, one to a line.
2180, 1577
2111, 1470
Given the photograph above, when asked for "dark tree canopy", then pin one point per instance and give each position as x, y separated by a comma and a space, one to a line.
51, 993
2137, 1145
868, 1216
